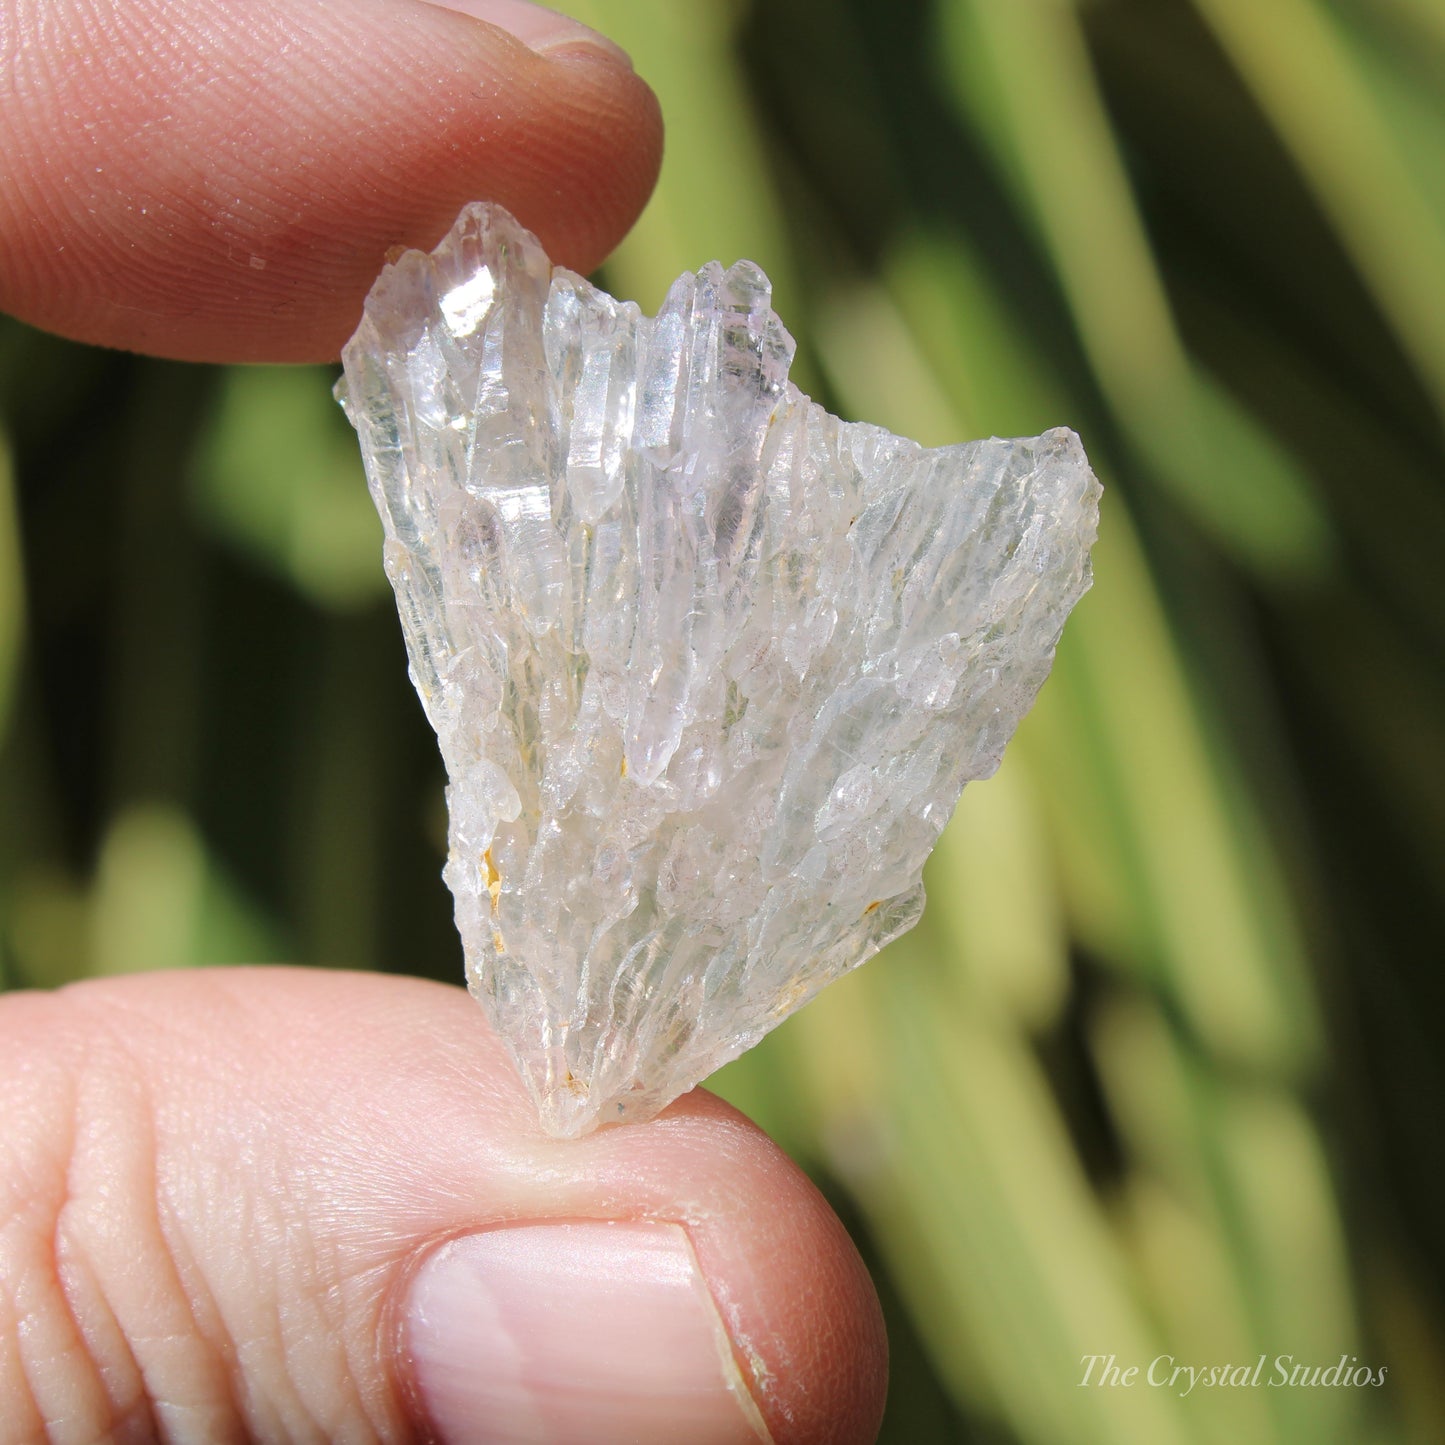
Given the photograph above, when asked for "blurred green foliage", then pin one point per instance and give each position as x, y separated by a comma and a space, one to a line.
1160, 1072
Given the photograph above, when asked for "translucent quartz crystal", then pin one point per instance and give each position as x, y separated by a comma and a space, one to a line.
709, 667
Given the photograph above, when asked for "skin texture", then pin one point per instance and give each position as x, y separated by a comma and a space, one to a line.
216, 1187
221, 182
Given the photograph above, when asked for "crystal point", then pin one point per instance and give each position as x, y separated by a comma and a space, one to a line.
709, 667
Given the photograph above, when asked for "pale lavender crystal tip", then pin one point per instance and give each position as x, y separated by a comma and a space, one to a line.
709, 667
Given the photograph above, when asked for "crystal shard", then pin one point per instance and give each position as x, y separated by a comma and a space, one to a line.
709, 667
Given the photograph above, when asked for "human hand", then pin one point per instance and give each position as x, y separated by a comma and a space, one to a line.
221, 182
282, 1205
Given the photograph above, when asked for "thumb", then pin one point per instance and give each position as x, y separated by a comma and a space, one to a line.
285, 1205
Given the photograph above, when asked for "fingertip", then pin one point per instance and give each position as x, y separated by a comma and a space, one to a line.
538, 27
224, 185
801, 1307
681, 1279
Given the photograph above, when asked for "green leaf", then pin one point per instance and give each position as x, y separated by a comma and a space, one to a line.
277, 476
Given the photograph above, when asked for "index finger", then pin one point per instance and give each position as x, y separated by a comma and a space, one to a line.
215, 182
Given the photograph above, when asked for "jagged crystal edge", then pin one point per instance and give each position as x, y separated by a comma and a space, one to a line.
708, 667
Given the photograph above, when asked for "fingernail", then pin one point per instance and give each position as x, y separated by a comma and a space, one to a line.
596, 1332
538, 28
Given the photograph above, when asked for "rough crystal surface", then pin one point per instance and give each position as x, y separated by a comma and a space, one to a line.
709, 667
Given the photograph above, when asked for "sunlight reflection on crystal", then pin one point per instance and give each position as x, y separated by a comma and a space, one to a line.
465, 306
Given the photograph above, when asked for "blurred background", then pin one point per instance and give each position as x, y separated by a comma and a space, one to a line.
1161, 1071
